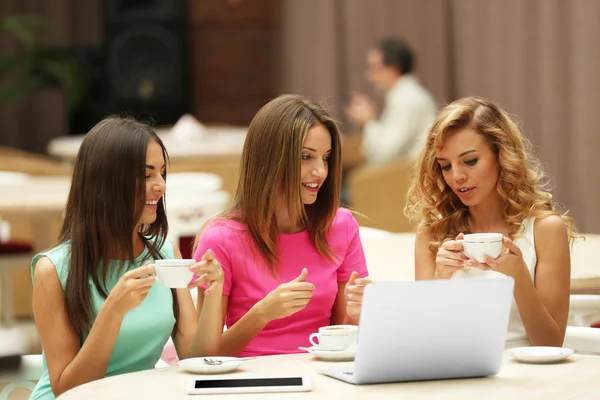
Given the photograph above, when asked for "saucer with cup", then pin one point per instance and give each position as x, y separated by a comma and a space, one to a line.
334, 343
174, 273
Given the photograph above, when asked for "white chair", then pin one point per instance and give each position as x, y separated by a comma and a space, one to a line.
188, 209
582, 339
191, 199
204, 181
12, 255
10, 178
584, 309
13, 343
366, 232
389, 257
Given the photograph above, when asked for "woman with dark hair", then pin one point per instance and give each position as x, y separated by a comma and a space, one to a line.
292, 258
96, 304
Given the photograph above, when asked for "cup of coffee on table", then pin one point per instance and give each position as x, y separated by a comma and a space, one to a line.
478, 245
174, 273
335, 337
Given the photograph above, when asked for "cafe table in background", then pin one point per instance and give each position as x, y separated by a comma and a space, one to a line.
217, 149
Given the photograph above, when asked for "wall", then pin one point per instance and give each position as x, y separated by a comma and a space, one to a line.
232, 63
537, 58
233, 49
43, 116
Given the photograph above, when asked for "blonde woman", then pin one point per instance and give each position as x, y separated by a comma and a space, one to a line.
476, 175
292, 258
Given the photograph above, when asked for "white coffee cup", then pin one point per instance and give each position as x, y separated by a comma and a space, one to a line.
174, 273
478, 245
335, 337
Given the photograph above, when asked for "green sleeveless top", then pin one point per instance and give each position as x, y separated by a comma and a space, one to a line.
144, 330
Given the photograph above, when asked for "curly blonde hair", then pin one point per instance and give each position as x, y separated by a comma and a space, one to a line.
521, 185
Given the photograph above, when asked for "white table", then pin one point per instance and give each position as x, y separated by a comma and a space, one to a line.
218, 143
392, 258
575, 378
40, 200
218, 151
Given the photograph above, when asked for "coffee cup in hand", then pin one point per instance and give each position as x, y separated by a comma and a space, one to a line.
174, 273
335, 337
478, 245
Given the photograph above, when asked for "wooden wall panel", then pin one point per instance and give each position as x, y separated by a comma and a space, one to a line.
233, 58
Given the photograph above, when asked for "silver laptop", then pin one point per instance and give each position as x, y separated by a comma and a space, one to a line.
423, 330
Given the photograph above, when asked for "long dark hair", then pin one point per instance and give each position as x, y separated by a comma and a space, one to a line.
105, 203
270, 165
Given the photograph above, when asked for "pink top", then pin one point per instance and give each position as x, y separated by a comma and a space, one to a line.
248, 279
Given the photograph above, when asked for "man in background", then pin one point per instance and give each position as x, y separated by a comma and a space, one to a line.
409, 108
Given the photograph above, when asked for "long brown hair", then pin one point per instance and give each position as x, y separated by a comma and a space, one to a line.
521, 183
270, 167
105, 203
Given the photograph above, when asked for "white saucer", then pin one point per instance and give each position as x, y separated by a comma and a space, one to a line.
199, 366
330, 355
539, 354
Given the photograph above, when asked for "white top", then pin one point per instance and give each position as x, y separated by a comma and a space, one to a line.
516, 335
402, 127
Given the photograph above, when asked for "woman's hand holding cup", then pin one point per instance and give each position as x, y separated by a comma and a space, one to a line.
501, 255
131, 290
449, 258
479, 247
209, 272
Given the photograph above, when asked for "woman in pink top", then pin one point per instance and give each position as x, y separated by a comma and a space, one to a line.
292, 258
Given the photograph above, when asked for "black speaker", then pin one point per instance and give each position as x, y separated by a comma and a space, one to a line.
93, 107
141, 68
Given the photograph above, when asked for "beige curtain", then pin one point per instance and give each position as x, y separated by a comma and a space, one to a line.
539, 59
323, 44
